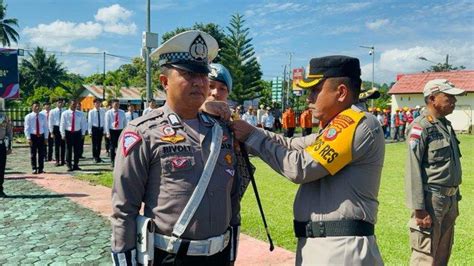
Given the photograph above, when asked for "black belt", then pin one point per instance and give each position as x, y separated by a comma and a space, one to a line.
333, 228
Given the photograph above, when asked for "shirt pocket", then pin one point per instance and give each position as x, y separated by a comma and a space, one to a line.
439, 151
178, 173
224, 171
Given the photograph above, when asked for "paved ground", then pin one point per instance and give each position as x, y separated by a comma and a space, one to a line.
55, 219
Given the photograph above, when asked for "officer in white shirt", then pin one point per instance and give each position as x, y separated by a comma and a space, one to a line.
73, 128
36, 132
96, 122
53, 123
81, 146
114, 123
130, 114
48, 149
151, 105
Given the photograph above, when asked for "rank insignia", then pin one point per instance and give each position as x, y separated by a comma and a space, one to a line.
228, 158
174, 120
230, 171
168, 131
173, 139
129, 140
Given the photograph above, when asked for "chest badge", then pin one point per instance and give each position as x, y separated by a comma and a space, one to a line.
228, 158
168, 131
173, 139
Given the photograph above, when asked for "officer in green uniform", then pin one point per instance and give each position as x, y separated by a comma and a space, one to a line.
164, 163
6, 135
433, 176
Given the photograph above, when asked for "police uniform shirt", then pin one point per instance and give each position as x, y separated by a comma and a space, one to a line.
433, 158
161, 166
55, 117
93, 118
80, 122
30, 125
350, 193
110, 120
130, 116
5, 130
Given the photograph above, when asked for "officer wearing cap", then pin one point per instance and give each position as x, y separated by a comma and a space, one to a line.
6, 135
433, 175
165, 162
338, 169
220, 82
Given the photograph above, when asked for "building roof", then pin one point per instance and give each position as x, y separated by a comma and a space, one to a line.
128, 93
414, 83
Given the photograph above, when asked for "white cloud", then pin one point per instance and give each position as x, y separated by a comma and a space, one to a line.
377, 24
116, 19
113, 14
60, 33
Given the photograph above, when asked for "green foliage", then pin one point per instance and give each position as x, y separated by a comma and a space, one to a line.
239, 58
265, 93
384, 100
41, 95
7, 25
40, 70
115, 80
443, 67
95, 79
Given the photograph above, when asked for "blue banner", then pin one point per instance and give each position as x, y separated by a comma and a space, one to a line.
9, 81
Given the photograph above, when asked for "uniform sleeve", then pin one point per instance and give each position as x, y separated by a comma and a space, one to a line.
413, 179
295, 164
62, 125
89, 121
298, 143
106, 124
130, 177
27, 128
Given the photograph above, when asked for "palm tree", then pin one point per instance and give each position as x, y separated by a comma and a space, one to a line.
7, 32
40, 70
116, 80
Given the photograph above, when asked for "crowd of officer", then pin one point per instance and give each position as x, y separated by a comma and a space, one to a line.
180, 161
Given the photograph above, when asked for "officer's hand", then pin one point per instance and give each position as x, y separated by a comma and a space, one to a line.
242, 129
217, 108
423, 218
9, 151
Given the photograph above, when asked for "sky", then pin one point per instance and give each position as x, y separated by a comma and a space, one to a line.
400, 31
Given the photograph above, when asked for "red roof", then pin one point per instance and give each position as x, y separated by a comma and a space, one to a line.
128, 93
414, 83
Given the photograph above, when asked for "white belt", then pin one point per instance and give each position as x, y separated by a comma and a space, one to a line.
207, 247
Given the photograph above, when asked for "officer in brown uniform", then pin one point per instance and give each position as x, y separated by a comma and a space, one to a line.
6, 135
164, 162
338, 169
433, 176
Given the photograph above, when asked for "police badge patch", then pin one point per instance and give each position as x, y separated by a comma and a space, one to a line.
198, 49
129, 140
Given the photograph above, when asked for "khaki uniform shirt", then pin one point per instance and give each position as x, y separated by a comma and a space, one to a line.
351, 193
162, 169
433, 158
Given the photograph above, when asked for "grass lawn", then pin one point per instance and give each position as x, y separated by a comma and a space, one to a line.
277, 196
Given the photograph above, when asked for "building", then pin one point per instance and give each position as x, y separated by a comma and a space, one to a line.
408, 92
129, 95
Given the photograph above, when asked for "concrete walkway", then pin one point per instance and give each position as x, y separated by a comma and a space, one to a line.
55, 219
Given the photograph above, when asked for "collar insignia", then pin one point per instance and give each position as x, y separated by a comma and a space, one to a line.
228, 158
168, 131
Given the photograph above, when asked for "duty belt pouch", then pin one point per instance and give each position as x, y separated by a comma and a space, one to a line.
145, 240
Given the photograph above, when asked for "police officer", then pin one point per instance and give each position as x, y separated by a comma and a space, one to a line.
433, 176
220, 83
54, 121
339, 168
164, 154
96, 122
36, 132
73, 129
115, 122
6, 136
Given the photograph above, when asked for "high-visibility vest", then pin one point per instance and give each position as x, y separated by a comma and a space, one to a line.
288, 119
306, 120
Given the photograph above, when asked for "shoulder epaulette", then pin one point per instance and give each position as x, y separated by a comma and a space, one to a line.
150, 116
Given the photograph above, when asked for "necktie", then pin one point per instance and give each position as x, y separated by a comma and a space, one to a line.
98, 116
116, 120
73, 122
59, 116
37, 125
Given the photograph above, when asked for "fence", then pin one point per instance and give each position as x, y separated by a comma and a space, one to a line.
17, 117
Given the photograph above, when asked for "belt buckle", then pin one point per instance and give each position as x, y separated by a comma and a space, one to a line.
319, 229
215, 245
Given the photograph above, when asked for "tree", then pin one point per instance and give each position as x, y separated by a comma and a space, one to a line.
40, 70
7, 31
116, 81
444, 67
266, 93
239, 58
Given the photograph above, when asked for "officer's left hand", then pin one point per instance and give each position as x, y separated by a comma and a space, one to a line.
242, 129
217, 108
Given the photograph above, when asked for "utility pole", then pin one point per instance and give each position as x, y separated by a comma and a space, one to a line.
149, 41
284, 101
103, 81
447, 65
288, 88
